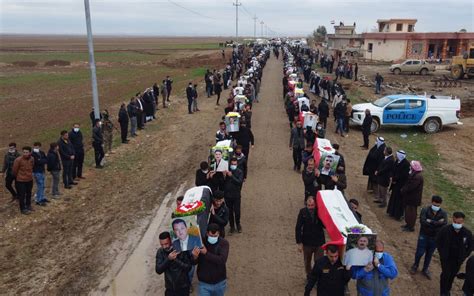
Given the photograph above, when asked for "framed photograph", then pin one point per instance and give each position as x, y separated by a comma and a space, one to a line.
185, 233
359, 249
232, 122
328, 163
303, 101
219, 158
310, 119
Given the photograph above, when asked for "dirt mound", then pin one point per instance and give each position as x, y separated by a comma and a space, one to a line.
57, 63
25, 64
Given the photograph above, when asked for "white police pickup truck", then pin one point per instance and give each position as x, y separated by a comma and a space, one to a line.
410, 110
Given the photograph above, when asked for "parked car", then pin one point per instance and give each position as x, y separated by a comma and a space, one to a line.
413, 66
432, 113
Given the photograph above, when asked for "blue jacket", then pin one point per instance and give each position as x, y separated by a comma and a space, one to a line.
375, 282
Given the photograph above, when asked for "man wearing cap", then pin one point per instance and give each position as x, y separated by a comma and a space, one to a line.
411, 194
399, 178
384, 173
211, 270
372, 162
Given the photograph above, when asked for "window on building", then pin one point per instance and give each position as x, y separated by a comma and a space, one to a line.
399, 27
417, 48
471, 53
410, 28
370, 48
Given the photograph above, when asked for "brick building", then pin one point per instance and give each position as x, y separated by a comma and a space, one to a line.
396, 39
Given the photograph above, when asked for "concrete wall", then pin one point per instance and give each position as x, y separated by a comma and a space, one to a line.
388, 50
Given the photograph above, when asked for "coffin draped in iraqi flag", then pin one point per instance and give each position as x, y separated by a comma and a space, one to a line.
337, 217
196, 201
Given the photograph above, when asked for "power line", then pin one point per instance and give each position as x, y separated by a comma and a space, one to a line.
190, 10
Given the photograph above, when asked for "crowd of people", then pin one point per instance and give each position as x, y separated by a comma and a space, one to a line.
397, 185
65, 157
226, 184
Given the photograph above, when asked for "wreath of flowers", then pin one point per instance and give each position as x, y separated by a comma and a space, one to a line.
356, 229
194, 208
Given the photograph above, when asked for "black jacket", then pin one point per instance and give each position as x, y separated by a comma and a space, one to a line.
8, 160
176, 271
340, 111
244, 137
233, 184
366, 124
66, 150
212, 266
432, 228
242, 163
97, 136
454, 245
40, 161
221, 218
132, 110
468, 277
77, 142
384, 171
123, 117
310, 183
54, 164
330, 279
190, 92
201, 178
323, 109
309, 229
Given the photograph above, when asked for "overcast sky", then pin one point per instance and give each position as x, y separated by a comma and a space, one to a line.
217, 17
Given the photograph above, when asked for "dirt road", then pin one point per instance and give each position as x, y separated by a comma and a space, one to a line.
263, 259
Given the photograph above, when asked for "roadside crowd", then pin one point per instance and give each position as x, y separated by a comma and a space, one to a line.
65, 157
226, 185
397, 185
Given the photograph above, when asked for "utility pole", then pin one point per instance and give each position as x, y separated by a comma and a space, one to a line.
266, 31
255, 26
237, 4
261, 28
95, 92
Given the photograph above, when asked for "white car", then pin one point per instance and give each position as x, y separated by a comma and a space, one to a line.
410, 110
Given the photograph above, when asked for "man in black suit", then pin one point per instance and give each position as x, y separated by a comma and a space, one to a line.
66, 151
323, 109
232, 188
384, 173
75, 137
366, 124
190, 96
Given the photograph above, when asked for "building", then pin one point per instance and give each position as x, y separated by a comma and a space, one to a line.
345, 39
396, 39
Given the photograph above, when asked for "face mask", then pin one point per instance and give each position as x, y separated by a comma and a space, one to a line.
233, 167
457, 226
435, 208
76, 129
212, 240
36, 150
205, 171
319, 128
11, 150
379, 255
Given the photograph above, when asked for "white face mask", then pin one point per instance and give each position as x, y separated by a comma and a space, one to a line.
435, 208
379, 255
457, 226
205, 171
36, 150
233, 167
76, 129
212, 240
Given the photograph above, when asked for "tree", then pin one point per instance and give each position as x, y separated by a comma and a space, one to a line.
320, 33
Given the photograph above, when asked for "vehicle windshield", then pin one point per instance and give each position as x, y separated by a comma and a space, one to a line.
382, 102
